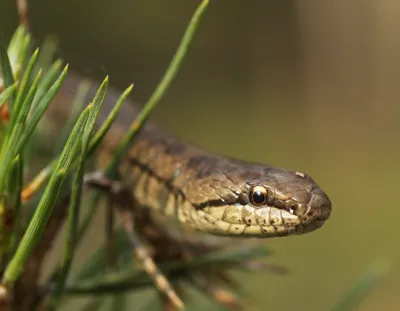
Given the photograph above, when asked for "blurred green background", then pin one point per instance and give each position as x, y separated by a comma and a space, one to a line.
307, 85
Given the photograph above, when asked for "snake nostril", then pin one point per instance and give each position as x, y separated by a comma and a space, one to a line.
292, 207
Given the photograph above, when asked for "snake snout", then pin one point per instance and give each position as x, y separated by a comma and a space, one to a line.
319, 210
322, 206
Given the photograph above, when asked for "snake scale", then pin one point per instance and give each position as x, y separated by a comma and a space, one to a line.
214, 193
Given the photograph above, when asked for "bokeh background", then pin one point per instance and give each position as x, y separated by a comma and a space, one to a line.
308, 85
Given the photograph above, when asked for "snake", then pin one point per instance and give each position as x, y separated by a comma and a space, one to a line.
210, 192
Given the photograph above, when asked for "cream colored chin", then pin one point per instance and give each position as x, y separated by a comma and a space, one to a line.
247, 220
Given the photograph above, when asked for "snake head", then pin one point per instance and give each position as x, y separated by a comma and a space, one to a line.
285, 202
270, 202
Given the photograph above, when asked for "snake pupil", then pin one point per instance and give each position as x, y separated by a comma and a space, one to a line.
258, 197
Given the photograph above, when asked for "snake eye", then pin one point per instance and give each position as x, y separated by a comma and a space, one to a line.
258, 195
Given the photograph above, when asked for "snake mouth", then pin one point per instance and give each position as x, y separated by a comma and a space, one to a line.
316, 224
